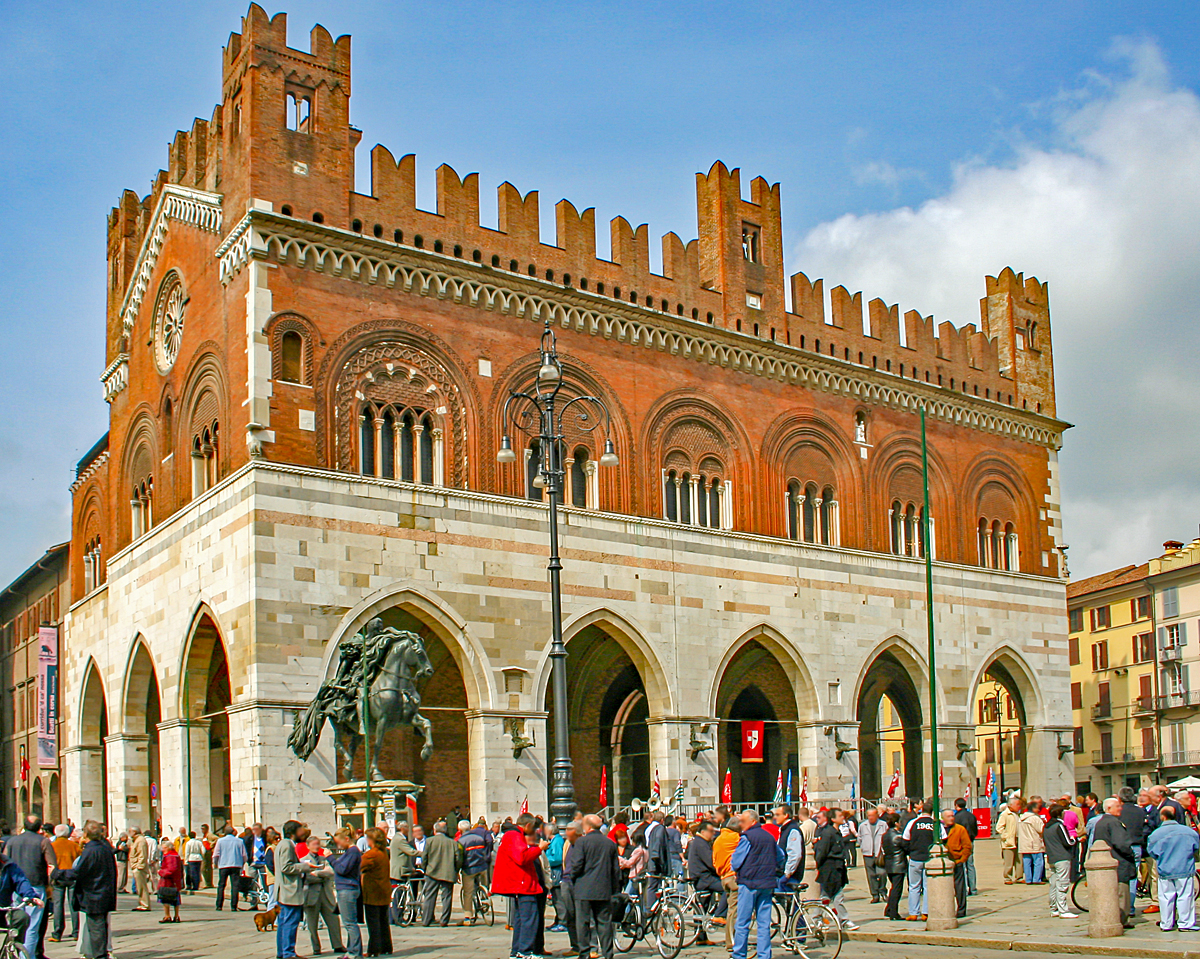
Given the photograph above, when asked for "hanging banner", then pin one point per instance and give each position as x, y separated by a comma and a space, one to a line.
603, 786
47, 744
727, 788
752, 741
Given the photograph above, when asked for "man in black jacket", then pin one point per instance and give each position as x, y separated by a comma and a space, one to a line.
829, 852
1134, 818
34, 856
595, 878
965, 818
1110, 829
701, 872
94, 875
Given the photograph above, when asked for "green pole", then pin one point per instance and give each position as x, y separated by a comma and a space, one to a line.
933, 727
187, 712
368, 821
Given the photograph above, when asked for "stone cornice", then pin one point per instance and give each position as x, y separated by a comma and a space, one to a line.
88, 473
194, 207
115, 377
325, 249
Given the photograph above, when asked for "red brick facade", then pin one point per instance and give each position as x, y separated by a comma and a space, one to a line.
427, 318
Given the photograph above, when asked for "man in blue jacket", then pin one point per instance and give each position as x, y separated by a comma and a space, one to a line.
1173, 847
756, 861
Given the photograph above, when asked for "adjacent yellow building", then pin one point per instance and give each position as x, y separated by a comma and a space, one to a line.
1133, 637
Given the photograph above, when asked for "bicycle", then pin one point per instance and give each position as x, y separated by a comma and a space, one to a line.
482, 901
698, 907
665, 921
1079, 891
811, 929
406, 903
12, 946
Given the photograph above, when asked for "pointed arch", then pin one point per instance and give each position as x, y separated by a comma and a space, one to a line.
140, 679
205, 646
912, 658
993, 485
807, 702
802, 447
92, 725
632, 639
1014, 673
470, 656
895, 476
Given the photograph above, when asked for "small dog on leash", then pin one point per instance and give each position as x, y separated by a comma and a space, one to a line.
266, 920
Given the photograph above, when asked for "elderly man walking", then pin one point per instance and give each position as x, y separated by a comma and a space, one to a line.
93, 881
1173, 847
477, 846
1111, 830
443, 860
870, 837
755, 861
595, 878
290, 875
139, 868
1008, 826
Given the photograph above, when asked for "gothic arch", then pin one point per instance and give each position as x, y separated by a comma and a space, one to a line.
620, 491
431, 611
802, 446
988, 475
205, 638
1015, 673
632, 639
912, 659
92, 724
382, 350
289, 321
139, 675
807, 702
689, 426
895, 471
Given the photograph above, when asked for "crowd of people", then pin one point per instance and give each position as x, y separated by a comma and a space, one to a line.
737, 863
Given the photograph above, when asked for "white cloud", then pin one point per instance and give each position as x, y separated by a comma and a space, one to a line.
1109, 214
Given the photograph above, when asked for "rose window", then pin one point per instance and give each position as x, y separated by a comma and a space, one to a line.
168, 322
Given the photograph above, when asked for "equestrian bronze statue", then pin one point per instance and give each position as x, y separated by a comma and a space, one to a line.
392, 661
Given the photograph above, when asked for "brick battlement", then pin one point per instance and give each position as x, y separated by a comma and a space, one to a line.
731, 275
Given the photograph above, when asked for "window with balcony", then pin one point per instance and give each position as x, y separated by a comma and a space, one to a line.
1148, 751
1145, 699
1106, 747
1103, 699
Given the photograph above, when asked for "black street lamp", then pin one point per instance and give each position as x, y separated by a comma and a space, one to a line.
539, 410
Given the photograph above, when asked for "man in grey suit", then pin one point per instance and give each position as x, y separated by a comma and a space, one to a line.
320, 902
595, 878
290, 872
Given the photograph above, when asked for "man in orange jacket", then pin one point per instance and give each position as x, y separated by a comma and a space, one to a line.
959, 846
722, 852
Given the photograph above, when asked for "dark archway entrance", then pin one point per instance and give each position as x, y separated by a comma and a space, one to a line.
754, 686
143, 713
93, 730
208, 695
446, 774
608, 715
1001, 731
889, 728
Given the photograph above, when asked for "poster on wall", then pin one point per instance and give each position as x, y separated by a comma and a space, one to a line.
47, 740
752, 741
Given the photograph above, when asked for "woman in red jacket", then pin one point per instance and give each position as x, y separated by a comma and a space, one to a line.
170, 881
516, 874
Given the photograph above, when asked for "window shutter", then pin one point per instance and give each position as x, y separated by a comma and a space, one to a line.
1183, 634
1170, 602
1184, 686
1162, 637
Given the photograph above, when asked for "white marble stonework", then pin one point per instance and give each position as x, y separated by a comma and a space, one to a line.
287, 561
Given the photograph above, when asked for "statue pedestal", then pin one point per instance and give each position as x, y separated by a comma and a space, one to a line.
387, 795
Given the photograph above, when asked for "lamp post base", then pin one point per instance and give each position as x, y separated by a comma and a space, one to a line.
939, 892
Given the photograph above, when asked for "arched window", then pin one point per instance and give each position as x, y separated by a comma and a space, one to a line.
399, 443
93, 565
696, 498
291, 357
793, 497
671, 496
985, 544
206, 458
907, 522
1011, 561
582, 483
142, 507
168, 426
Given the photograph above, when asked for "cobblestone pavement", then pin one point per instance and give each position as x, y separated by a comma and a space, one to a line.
1001, 917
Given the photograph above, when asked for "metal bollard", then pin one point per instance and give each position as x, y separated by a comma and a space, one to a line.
1104, 904
939, 891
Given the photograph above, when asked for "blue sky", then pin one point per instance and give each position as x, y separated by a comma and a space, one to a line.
905, 137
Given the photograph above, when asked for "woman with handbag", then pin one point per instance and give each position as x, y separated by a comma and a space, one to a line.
170, 881
895, 864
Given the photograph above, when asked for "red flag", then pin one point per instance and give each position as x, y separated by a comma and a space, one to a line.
753, 734
524, 806
894, 784
410, 803
989, 786
941, 783
804, 790
603, 786
656, 788
727, 788
967, 794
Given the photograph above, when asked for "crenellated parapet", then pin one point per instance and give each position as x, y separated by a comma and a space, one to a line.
282, 135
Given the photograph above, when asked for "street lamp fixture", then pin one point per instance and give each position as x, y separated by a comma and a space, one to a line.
542, 410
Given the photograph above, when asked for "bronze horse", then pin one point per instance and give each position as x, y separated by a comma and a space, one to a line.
393, 700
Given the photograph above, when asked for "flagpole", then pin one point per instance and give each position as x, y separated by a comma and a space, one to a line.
934, 764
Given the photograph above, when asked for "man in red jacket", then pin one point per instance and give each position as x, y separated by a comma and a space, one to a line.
516, 875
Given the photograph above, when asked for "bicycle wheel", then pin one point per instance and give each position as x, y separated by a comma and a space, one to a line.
670, 928
483, 908
695, 918
778, 917
816, 931
1079, 894
629, 929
